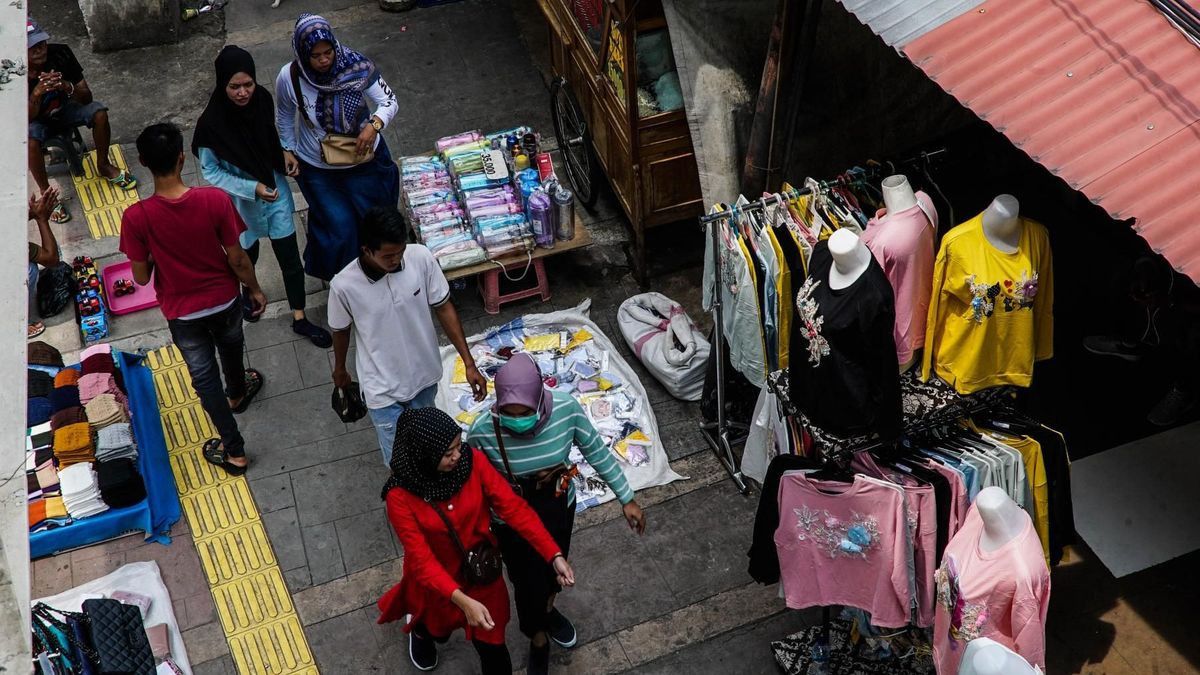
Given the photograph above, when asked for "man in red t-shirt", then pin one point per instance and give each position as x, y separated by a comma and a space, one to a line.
188, 238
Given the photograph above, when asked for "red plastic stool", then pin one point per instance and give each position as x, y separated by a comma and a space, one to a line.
489, 286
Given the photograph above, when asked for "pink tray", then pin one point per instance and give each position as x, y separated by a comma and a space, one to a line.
143, 298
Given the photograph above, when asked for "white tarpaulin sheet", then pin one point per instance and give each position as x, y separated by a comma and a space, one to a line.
644, 462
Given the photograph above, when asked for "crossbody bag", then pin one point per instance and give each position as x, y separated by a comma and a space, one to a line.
482, 564
336, 149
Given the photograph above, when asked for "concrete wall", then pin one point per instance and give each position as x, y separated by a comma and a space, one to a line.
122, 24
14, 532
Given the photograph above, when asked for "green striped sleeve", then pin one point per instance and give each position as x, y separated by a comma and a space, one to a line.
597, 453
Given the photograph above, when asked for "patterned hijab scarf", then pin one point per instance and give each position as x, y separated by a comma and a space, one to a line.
422, 437
340, 106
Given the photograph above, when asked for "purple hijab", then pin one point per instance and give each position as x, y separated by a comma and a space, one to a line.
519, 382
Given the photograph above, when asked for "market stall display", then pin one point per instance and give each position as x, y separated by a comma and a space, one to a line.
483, 196
138, 586
574, 356
96, 462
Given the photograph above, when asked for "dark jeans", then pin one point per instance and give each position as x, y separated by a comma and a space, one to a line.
337, 200
533, 580
201, 341
287, 252
493, 659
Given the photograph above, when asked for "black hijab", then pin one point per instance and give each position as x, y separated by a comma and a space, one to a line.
244, 136
422, 437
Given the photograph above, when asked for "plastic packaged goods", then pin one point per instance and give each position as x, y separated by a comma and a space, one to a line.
564, 209
541, 214
447, 142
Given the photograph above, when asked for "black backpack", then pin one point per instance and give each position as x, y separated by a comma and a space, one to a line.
54, 289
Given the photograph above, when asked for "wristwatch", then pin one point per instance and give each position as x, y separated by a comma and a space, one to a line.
378, 126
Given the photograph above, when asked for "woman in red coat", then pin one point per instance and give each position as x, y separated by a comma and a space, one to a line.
435, 479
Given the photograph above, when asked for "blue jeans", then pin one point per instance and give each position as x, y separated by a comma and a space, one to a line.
384, 419
337, 200
69, 116
201, 341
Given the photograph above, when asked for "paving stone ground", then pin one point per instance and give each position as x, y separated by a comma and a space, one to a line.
676, 600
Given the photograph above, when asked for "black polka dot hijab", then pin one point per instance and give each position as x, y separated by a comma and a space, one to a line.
422, 437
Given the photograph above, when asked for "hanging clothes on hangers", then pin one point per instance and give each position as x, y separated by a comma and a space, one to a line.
737, 288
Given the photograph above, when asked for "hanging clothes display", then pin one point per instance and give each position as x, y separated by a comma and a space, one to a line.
843, 366
991, 313
742, 327
903, 243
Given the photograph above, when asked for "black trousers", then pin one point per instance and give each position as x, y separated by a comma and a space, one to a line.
287, 253
533, 580
493, 659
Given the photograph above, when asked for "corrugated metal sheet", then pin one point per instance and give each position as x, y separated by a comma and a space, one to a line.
899, 22
1104, 93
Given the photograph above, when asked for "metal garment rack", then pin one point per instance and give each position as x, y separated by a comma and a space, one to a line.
723, 434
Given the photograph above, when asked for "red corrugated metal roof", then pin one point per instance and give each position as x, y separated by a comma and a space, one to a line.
1104, 93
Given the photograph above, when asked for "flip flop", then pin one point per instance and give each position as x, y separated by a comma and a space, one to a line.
60, 214
214, 454
254, 384
124, 180
35, 329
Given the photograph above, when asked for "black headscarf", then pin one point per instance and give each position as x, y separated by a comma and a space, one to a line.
422, 437
244, 136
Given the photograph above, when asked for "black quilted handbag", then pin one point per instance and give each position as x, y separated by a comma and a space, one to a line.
118, 638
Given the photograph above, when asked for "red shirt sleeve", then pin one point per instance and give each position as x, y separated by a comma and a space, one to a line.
133, 235
229, 225
418, 557
513, 509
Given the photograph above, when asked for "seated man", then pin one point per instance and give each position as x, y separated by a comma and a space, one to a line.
60, 97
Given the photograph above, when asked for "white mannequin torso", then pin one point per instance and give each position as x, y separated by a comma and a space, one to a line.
1002, 519
850, 259
1002, 225
985, 656
898, 194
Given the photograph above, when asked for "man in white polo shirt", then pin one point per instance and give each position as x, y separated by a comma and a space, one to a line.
385, 297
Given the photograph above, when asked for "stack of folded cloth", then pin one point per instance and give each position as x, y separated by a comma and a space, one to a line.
80, 491
43, 356
66, 377
115, 441
105, 410
62, 398
120, 483
46, 512
38, 407
95, 384
73, 445
67, 417
98, 359
45, 504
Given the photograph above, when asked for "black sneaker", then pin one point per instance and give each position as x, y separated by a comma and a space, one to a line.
561, 630
422, 650
1106, 345
539, 660
1173, 407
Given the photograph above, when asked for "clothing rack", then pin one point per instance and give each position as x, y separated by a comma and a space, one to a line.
723, 434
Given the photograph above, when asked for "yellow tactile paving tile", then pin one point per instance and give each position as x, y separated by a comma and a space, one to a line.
255, 609
102, 202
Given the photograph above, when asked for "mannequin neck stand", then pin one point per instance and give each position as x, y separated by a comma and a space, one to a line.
1002, 224
898, 194
850, 259
1002, 519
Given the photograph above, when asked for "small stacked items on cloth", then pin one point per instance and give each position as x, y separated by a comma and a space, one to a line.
81, 458
53, 404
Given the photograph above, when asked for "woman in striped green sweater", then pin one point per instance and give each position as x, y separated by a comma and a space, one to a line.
528, 436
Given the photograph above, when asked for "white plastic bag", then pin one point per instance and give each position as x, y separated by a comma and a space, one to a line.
666, 341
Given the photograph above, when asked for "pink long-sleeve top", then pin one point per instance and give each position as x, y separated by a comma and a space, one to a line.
903, 243
844, 544
1001, 594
